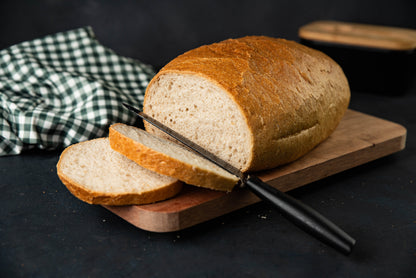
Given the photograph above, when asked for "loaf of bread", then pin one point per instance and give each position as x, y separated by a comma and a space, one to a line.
256, 102
168, 158
96, 174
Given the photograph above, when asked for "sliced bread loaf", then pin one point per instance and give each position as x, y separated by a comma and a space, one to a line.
96, 174
168, 158
256, 102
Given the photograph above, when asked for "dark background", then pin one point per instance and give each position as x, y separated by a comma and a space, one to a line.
157, 31
46, 232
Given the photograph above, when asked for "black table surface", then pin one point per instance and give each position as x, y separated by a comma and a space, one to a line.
46, 232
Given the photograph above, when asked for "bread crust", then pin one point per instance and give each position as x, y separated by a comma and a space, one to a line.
292, 97
100, 198
166, 165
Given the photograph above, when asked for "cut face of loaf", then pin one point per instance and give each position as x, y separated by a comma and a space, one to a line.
96, 174
168, 158
204, 113
256, 102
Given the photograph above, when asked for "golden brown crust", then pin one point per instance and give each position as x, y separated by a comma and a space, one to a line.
292, 97
166, 165
100, 198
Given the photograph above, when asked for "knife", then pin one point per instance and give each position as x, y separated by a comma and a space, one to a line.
294, 210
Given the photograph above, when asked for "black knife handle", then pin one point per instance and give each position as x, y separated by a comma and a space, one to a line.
302, 215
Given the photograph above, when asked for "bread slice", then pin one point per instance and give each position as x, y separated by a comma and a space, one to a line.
168, 158
256, 102
96, 174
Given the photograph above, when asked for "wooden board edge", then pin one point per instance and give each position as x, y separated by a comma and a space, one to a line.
147, 220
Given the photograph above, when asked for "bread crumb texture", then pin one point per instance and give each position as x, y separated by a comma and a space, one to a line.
168, 158
95, 173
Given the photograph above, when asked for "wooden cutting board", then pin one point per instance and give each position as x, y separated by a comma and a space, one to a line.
358, 139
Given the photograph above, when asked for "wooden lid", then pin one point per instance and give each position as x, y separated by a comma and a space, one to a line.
392, 38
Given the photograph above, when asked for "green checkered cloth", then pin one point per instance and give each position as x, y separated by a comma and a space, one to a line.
63, 89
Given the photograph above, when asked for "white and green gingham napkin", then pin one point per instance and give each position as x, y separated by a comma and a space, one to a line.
64, 88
